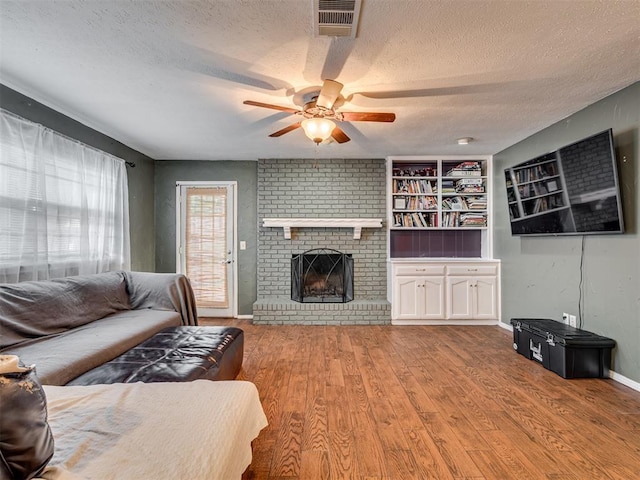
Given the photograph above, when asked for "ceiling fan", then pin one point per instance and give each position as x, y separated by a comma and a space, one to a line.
320, 114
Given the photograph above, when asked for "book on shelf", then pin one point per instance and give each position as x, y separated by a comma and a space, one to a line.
448, 186
455, 203
540, 205
537, 172
539, 188
415, 220
418, 220
469, 181
477, 203
421, 171
466, 169
473, 220
526, 191
412, 186
470, 189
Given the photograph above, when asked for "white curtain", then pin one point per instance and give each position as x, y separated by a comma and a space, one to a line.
64, 206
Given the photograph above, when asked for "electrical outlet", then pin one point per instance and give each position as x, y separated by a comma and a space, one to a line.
565, 318
572, 320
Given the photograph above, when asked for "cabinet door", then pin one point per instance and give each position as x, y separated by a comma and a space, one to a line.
459, 297
433, 291
408, 298
485, 298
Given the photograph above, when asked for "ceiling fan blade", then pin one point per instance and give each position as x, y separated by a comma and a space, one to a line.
368, 117
339, 136
288, 129
273, 107
329, 94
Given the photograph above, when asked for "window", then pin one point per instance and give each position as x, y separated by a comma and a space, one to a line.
63, 205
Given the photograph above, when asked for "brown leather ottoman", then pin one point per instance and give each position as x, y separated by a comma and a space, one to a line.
175, 354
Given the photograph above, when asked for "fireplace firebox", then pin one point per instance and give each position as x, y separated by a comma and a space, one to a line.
322, 276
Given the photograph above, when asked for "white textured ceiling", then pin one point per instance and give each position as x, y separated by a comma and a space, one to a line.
168, 77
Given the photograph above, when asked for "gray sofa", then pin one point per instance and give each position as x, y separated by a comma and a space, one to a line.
71, 325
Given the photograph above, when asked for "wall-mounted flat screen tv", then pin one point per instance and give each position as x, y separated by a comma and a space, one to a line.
572, 191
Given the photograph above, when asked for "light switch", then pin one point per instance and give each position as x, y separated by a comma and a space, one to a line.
243, 245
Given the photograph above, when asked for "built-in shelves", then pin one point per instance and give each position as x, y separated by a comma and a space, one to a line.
535, 188
441, 267
439, 194
433, 199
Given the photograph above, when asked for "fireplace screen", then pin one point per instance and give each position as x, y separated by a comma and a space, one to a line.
322, 276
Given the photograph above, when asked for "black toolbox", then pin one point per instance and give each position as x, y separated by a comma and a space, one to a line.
563, 349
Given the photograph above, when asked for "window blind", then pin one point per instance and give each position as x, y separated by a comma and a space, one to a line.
206, 245
63, 205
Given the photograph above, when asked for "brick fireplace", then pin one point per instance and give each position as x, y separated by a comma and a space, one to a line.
333, 188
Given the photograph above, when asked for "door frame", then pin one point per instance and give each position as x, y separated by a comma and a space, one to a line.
233, 185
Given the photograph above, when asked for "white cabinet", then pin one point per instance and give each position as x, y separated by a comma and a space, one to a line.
419, 297
443, 292
471, 298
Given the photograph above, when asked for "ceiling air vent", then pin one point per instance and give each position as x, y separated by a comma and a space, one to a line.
336, 18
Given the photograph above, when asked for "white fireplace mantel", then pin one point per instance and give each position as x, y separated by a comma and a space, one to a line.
356, 223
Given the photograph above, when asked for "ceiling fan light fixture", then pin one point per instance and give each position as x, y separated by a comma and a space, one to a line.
318, 129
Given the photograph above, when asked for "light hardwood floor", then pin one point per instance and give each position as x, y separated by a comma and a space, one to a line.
422, 402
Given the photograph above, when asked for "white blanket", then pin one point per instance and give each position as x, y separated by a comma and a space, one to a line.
193, 430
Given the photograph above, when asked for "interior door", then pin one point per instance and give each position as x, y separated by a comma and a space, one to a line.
206, 220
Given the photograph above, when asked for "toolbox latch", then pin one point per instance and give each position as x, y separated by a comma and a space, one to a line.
536, 352
550, 339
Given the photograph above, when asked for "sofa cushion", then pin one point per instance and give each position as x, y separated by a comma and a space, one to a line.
26, 442
36, 309
61, 358
162, 291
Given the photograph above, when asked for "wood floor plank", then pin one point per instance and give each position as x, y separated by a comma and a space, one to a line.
427, 402
370, 454
315, 465
548, 461
339, 413
427, 456
512, 459
450, 447
288, 447
315, 435
342, 455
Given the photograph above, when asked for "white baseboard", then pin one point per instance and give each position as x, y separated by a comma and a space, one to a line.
506, 326
444, 322
245, 317
624, 380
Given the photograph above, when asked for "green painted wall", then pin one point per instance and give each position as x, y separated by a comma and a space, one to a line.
140, 178
167, 173
541, 276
